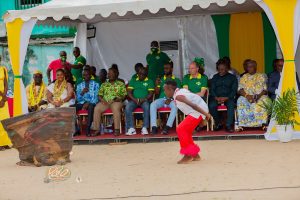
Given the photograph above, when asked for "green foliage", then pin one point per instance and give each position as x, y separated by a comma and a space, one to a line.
284, 109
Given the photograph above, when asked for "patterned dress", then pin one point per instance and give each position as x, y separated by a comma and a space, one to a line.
4, 113
252, 114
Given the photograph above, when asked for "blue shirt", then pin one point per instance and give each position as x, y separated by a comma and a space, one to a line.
91, 96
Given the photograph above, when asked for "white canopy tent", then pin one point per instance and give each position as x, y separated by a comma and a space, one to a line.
152, 19
98, 12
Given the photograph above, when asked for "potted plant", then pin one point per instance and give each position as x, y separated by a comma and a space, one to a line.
283, 110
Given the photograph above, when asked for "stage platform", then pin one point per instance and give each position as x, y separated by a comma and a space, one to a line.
172, 136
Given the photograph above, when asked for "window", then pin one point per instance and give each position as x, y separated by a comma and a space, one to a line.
30, 2
25, 4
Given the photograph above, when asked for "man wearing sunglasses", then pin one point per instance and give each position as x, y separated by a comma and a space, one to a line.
60, 63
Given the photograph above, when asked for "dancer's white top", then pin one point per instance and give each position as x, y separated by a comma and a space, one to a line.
194, 98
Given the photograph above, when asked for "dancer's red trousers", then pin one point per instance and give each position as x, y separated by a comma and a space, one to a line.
185, 134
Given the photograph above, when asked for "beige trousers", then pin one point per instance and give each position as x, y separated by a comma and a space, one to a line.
100, 108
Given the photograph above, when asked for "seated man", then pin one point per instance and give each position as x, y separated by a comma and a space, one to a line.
223, 91
194, 81
111, 95
36, 93
163, 100
140, 92
115, 66
274, 78
102, 76
94, 74
87, 97
137, 68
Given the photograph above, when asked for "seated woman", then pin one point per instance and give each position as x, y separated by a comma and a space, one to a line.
253, 91
60, 92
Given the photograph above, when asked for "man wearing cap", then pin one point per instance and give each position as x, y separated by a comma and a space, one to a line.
156, 60
36, 93
60, 63
78, 65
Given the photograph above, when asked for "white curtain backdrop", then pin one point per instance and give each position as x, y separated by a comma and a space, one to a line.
128, 42
201, 41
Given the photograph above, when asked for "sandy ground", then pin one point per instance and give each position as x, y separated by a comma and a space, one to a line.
142, 170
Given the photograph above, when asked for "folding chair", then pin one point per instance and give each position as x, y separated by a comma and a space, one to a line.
81, 115
137, 111
166, 110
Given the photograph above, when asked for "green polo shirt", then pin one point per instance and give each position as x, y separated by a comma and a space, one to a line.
77, 73
141, 88
162, 83
194, 84
156, 64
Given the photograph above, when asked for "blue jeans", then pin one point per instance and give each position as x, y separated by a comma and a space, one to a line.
159, 103
130, 107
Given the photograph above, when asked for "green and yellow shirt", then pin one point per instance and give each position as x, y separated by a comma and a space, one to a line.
109, 91
194, 84
141, 88
156, 62
77, 73
162, 83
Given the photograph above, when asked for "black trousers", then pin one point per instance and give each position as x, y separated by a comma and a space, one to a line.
90, 115
213, 105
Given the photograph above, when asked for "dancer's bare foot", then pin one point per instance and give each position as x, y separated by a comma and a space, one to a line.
185, 160
197, 158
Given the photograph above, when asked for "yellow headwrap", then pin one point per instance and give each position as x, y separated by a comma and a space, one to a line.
37, 72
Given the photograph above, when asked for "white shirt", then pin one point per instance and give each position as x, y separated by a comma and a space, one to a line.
64, 95
194, 98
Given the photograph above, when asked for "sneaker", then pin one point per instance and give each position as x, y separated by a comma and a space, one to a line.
144, 131
166, 130
131, 131
154, 130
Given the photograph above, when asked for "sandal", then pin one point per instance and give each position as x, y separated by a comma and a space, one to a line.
239, 129
264, 128
24, 163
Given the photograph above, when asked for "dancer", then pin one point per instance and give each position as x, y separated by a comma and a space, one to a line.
197, 113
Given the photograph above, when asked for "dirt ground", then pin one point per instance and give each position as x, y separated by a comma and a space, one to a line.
230, 169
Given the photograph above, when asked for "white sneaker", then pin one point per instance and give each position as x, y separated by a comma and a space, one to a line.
144, 131
131, 131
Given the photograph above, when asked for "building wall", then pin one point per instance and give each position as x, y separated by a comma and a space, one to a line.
38, 57
38, 31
